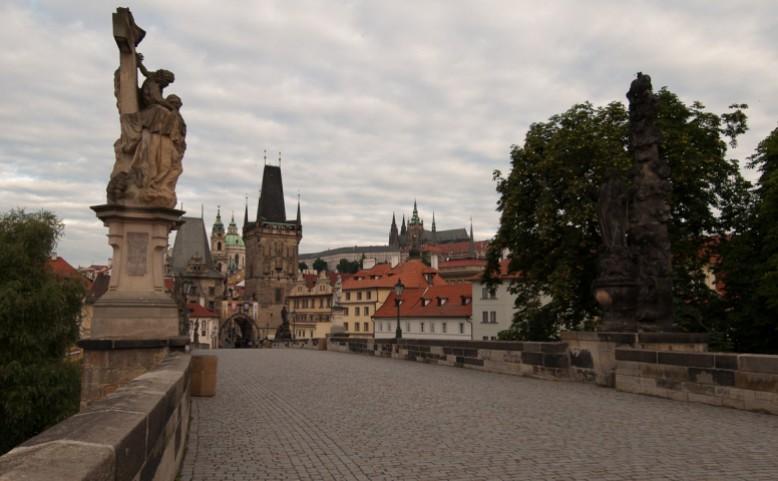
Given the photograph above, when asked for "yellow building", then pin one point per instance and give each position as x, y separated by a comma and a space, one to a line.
366, 291
310, 304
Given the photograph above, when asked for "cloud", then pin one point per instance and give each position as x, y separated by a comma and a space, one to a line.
371, 104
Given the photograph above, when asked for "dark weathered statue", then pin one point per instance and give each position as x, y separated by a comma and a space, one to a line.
151, 147
634, 284
284, 332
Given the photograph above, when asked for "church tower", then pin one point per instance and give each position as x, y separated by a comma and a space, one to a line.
218, 245
272, 243
394, 236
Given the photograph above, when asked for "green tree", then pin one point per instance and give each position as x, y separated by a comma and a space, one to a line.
749, 263
302, 266
348, 267
548, 208
319, 264
39, 321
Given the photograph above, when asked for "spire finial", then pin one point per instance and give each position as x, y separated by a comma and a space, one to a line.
265, 156
279, 158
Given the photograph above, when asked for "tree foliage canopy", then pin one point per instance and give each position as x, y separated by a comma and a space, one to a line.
749, 262
548, 207
320, 264
39, 321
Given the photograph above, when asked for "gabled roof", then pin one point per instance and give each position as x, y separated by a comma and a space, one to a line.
271, 206
504, 274
192, 240
451, 300
196, 310
412, 273
60, 266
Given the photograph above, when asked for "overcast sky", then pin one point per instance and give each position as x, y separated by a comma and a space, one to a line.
372, 104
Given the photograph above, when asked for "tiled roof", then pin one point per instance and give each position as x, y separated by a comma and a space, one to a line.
192, 240
503, 272
462, 263
196, 310
61, 266
452, 300
411, 273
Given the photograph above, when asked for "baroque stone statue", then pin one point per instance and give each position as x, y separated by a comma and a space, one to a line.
151, 147
634, 285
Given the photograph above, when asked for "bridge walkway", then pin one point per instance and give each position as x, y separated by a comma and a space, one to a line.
287, 414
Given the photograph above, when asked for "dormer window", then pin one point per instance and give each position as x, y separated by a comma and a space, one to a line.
442, 301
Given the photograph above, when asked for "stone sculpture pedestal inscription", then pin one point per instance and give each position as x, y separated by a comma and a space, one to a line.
136, 323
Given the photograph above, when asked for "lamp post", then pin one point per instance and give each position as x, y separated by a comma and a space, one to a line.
398, 292
187, 289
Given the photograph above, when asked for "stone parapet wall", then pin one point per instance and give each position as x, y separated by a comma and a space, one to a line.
742, 381
320, 344
542, 360
136, 432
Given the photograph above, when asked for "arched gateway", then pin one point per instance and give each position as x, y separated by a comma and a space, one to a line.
239, 330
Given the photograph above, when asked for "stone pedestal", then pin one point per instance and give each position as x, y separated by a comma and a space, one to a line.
136, 323
593, 358
618, 297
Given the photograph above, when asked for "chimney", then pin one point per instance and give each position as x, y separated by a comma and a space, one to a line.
434, 260
394, 260
368, 263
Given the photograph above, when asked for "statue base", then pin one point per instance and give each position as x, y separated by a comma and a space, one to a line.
593, 357
136, 323
618, 298
111, 363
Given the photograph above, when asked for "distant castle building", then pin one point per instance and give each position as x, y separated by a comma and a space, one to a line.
271, 243
413, 236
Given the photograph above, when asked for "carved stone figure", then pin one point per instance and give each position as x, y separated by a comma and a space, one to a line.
284, 331
634, 284
612, 211
151, 147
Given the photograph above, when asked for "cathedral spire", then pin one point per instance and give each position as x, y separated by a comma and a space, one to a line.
246, 214
218, 226
299, 219
472, 239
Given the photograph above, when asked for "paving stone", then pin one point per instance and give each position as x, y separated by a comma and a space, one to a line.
288, 414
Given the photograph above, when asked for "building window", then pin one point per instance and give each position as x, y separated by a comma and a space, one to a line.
345, 311
461, 327
279, 295
366, 327
367, 310
359, 295
421, 327
444, 328
345, 326
407, 327
493, 317
356, 326
432, 327
367, 295
484, 317
348, 296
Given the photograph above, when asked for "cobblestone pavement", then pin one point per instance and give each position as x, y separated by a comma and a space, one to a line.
314, 415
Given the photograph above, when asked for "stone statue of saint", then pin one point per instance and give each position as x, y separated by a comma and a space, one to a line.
151, 148
612, 211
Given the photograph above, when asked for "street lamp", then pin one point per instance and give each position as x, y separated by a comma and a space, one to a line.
398, 292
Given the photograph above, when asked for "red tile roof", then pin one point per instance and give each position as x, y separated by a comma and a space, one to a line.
503, 272
411, 273
196, 310
451, 300
62, 267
